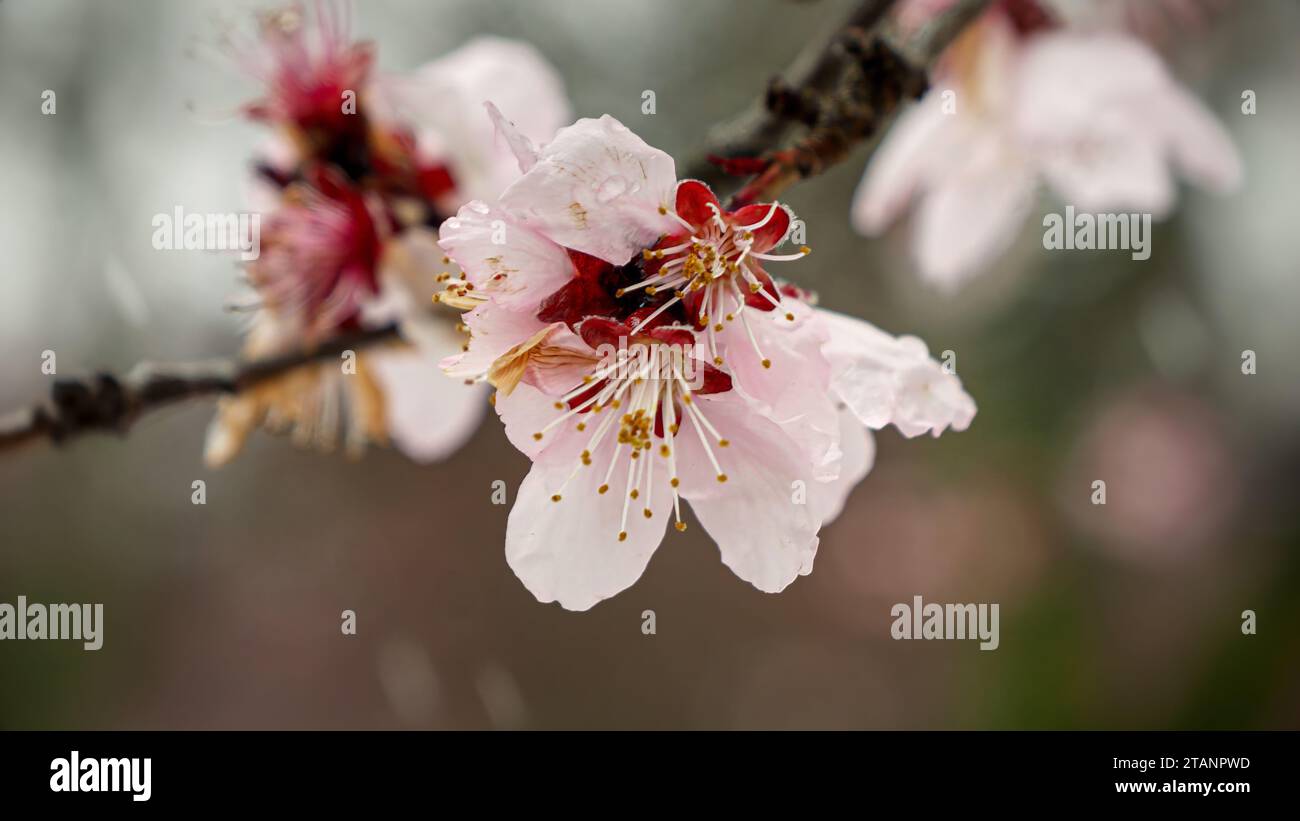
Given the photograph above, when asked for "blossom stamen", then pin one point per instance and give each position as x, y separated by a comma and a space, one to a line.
654, 385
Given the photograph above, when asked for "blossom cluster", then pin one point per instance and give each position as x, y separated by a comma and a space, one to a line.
598, 247
359, 171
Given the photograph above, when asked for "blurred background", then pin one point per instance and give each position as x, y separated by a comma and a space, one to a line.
1085, 365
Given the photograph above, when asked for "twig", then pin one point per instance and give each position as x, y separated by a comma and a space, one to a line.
786, 101
852, 92
109, 404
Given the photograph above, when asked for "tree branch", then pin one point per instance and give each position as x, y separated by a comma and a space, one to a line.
787, 100
110, 404
846, 95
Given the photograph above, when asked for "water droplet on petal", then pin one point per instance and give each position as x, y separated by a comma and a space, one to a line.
611, 188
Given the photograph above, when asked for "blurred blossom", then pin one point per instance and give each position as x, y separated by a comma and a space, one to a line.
360, 171
1155, 20
1019, 101
1152, 19
1172, 478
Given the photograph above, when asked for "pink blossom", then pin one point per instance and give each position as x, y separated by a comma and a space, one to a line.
643, 357
361, 167
1094, 116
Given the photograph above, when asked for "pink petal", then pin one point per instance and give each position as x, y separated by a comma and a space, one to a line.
494, 329
918, 144
446, 99
857, 456
429, 414
966, 222
892, 380
526, 411
764, 535
1201, 147
795, 391
569, 551
598, 188
526, 154
500, 255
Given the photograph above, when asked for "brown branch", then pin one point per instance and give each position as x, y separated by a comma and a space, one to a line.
845, 95
107, 403
788, 100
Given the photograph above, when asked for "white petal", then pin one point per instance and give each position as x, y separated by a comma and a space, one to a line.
892, 380
495, 329
1201, 147
1114, 174
598, 189
447, 95
918, 144
526, 154
526, 411
429, 414
858, 448
569, 551
970, 219
408, 277
498, 254
1106, 119
765, 534
795, 391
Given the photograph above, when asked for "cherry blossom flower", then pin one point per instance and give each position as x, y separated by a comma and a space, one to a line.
1019, 102
643, 356
361, 170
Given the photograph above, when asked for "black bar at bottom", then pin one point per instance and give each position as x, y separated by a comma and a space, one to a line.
545, 771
